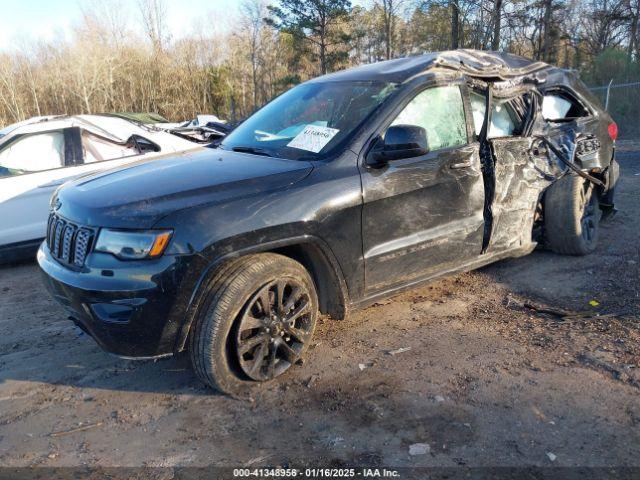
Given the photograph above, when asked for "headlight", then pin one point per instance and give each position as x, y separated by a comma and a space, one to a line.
132, 245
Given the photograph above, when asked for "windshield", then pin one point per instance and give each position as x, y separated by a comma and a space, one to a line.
309, 121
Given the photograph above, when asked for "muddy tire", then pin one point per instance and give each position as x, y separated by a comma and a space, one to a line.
257, 319
572, 216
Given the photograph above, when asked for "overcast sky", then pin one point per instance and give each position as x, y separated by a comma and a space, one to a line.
24, 20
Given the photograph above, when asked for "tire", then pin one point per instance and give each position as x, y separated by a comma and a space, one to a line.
236, 342
572, 216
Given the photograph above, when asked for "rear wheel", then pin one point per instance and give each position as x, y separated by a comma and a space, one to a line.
257, 320
572, 216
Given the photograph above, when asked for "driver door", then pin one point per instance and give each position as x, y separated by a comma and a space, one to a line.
424, 214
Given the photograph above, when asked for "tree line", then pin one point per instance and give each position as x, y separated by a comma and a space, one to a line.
107, 66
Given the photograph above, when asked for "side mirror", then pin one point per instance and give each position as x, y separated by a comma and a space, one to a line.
400, 141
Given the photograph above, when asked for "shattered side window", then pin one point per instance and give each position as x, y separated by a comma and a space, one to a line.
439, 110
97, 149
503, 122
477, 111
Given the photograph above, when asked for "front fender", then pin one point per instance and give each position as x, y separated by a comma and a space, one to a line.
323, 210
195, 286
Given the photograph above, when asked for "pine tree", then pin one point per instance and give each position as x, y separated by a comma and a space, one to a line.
317, 22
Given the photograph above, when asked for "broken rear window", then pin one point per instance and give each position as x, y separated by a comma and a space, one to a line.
558, 106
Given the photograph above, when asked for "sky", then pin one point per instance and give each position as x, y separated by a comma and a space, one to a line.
29, 20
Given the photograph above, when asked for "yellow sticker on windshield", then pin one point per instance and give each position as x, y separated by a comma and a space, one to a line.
313, 138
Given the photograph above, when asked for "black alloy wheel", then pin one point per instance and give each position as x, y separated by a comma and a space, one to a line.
274, 328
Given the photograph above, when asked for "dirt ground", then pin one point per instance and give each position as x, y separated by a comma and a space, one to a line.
483, 381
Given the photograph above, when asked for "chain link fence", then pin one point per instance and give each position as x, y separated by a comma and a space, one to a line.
622, 100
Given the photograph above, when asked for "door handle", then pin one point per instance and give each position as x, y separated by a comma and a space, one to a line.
467, 164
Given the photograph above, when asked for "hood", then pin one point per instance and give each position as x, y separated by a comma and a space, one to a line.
139, 194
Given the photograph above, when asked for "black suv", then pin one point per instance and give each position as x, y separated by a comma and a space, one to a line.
343, 190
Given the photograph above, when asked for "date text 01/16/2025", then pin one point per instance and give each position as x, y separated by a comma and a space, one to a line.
315, 473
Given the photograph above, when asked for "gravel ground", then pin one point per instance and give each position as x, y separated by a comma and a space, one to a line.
485, 379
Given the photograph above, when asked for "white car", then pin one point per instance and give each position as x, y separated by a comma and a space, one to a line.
39, 154
205, 129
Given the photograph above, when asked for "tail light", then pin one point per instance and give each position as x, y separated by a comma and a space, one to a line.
613, 131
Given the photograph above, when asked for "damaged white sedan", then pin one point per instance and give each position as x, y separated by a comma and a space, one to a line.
40, 154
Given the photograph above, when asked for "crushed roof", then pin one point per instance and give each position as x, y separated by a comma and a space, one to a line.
476, 63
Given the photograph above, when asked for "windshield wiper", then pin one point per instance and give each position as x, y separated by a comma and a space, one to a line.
252, 150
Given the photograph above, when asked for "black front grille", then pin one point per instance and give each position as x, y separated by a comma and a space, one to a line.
67, 242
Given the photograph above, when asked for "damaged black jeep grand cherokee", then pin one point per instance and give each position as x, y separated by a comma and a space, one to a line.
345, 189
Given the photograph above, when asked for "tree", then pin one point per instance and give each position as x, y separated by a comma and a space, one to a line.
455, 23
430, 28
390, 10
497, 17
107, 65
547, 28
108, 20
319, 22
154, 21
634, 16
604, 25
252, 22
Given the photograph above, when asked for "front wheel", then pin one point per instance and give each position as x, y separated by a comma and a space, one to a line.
256, 322
572, 216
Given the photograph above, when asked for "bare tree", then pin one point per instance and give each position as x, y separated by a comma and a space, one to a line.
633, 9
108, 19
104, 65
546, 27
154, 22
9, 92
455, 23
390, 10
252, 22
497, 17
604, 25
